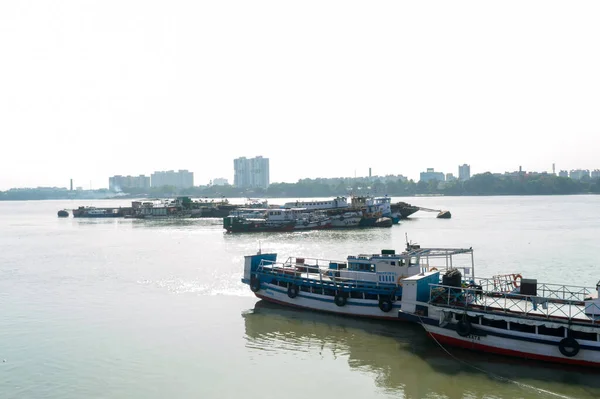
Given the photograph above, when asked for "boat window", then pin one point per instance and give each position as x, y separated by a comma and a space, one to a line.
372, 268
554, 332
494, 323
583, 335
356, 294
522, 328
393, 263
414, 261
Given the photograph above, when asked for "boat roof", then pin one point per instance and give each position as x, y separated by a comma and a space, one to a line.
420, 252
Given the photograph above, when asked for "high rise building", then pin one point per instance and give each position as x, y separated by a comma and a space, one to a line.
578, 174
180, 179
121, 183
251, 172
432, 175
563, 173
464, 172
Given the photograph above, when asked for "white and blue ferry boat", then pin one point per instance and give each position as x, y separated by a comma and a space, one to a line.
368, 285
515, 317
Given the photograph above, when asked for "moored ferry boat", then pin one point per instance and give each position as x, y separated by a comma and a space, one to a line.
556, 323
275, 219
336, 203
365, 285
93, 212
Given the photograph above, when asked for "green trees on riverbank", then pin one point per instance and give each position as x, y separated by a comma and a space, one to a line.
481, 184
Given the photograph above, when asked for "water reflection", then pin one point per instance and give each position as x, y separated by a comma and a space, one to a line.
404, 362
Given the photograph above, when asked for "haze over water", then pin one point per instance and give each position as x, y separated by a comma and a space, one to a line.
152, 309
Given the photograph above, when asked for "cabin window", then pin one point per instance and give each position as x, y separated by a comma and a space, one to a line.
494, 323
393, 263
583, 335
356, 294
553, 332
522, 328
304, 288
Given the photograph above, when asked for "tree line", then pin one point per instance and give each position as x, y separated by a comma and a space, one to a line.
480, 184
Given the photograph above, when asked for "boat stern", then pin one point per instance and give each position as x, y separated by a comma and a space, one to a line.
252, 262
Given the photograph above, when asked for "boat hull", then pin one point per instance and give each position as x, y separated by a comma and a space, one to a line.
523, 345
368, 308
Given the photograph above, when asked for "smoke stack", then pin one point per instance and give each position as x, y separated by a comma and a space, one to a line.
71, 184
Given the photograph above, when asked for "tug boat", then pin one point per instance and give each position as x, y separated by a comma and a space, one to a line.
368, 285
555, 323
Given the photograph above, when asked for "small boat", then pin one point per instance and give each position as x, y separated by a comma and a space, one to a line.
63, 213
523, 318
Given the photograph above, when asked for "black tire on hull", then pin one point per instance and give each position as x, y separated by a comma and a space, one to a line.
293, 291
464, 328
339, 300
385, 305
254, 284
569, 347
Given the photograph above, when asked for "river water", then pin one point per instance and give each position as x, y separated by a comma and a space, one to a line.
99, 308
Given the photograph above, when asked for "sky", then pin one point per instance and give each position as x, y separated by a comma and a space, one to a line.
90, 89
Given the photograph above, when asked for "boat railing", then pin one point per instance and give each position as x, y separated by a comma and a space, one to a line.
484, 297
512, 283
312, 270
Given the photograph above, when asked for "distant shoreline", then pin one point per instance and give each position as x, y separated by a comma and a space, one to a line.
133, 198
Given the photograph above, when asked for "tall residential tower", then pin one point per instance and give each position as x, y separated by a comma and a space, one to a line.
252, 172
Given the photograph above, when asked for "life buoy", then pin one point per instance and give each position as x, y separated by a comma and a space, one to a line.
399, 281
385, 305
515, 277
339, 300
254, 284
569, 346
464, 328
292, 291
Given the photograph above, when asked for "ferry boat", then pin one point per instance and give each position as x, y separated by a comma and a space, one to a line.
252, 219
368, 285
345, 219
93, 212
164, 209
336, 203
555, 323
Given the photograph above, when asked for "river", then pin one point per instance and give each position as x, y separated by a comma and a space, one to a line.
121, 308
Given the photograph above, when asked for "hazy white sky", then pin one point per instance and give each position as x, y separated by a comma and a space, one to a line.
90, 89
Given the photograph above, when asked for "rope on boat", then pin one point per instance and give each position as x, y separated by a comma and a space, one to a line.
496, 376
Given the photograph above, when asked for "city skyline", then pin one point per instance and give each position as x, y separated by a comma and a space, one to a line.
428, 174
91, 93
